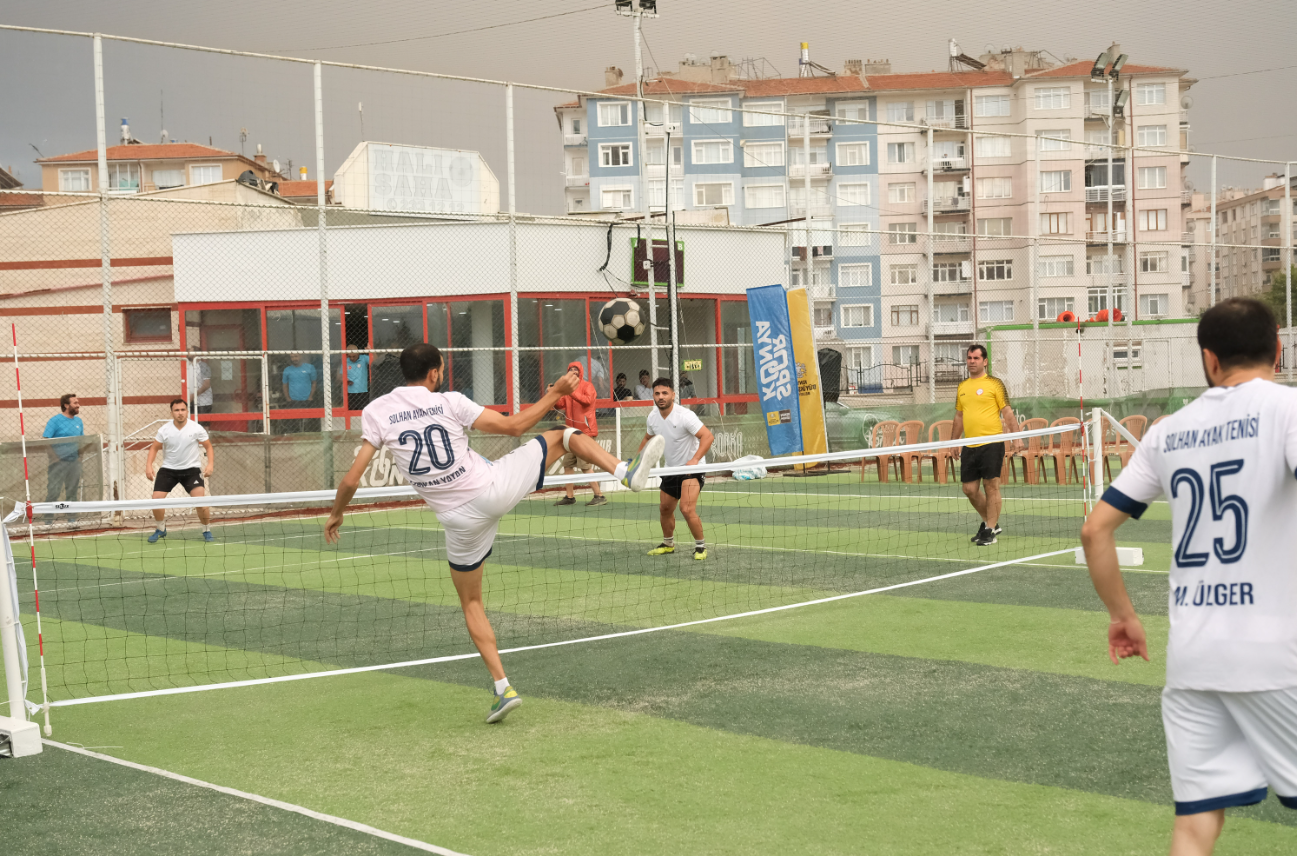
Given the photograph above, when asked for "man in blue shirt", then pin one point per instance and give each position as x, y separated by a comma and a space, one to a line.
357, 368
64, 475
299, 388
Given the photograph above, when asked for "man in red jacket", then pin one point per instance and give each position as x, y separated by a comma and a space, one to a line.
579, 409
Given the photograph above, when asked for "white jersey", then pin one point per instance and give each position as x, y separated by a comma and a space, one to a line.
1228, 464
180, 446
203, 372
428, 435
679, 430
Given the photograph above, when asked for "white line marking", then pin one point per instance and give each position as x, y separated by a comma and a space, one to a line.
257, 798
355, 670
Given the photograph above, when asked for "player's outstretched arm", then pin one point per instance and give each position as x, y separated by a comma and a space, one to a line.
346, 490
1098, 535
517, 424
153, 453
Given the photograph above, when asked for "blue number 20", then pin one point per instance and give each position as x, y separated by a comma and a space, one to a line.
1220, 504
434, 435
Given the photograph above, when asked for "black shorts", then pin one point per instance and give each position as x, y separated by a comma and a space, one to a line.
981, 462
168, 479
671, 484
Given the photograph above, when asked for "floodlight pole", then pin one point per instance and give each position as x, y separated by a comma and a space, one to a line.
114, 460
1214, 264
326, 384
1286, 220
669, 223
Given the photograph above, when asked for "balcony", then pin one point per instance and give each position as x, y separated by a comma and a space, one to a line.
816, 210
1186, 237
574, 139
816, 170
1100, 280
1100, 153
947, 245
1186, 279
822, 291
797, 126
577, 181
1186, 197
1097, 113
949, 164
947, 122
952, 328
1118, 237
948, 204
1100, 194
955, 286
652, 130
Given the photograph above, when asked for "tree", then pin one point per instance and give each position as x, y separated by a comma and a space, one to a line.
1275, 295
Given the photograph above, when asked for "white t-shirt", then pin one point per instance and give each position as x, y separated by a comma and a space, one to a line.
428, 435
679, 430
643, 393
204, 373
180, 446
1228, 464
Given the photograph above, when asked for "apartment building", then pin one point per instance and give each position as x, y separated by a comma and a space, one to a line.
1255, 219
1021, 221
143, 168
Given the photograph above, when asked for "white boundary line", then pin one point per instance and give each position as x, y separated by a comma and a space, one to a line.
273, 803
355, 670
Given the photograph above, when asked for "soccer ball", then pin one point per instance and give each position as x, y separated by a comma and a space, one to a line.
621, 320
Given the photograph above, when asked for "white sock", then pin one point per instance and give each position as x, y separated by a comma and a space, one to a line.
669, 540
161, 524
620, 472
700, 544
501, 685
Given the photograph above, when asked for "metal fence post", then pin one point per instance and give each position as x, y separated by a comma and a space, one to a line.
326, 384
514, 370
113, 482
932, 301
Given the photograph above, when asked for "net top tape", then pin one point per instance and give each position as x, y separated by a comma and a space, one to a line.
325, 497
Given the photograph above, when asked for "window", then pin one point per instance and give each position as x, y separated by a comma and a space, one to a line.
859, 359
578, 166
858, 316
902, 233
1269, 254
823, 316
576, 126
941, 111
124, 177
653, 114
949, 272
949, 231
1150, 135
614, 113
905, 355
900, 152
986, 146
1153, 306
901, 192
614, 154
763, 196
760, 154
1153, 220
945, 150
1124, 358
1099, 265
1056, 266
678, 155
819, 155
853, 154
855, 236
1050, 142
905, 315
903, 274
858, 111
720, 193
657, 193
853, 194
1049, 308
990, 105
995, 270
1099, 100
164, 178
1152, 177
710, 111
205, 174
1053, 97
855, 276
713, 151
949, 312
147, 325
655, 151
1150, 93
1097, 299
900, 111
995, 311
994, 188
74, 180
1059, 223
1157, 261
1056, 181
616, 198
995, 226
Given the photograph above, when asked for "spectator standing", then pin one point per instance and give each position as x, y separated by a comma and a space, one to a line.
357, 366
64, 476
203, 384
578, 406
644, 390
299, 378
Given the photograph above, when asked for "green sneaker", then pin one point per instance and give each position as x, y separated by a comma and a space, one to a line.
504, 703
700, 554
661, 550
637, 473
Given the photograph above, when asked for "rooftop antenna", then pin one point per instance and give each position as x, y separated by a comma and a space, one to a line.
360, 108
162, 116
243, 138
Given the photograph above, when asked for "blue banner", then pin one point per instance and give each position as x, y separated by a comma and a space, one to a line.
772, 347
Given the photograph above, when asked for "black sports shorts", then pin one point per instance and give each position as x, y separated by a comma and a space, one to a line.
671, 484
981, 462
188, 479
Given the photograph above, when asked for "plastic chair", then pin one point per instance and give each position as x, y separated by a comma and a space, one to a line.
941, 458
1031, 455
883, 435
1115, 445
908, 433
1062, 451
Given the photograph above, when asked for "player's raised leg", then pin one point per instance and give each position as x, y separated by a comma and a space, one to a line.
633, 473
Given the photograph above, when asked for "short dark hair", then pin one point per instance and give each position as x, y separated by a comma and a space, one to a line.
621, 376
972, 348
64, 399
1240, 331
176, 401
418, 360
664, 381
644, 373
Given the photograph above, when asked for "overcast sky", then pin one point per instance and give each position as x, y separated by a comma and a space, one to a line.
1244, 102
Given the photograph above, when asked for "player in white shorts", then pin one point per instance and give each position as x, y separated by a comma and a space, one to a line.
427, 433
1228, 465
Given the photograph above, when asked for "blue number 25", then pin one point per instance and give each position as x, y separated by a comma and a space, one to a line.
434, 435
1189, 480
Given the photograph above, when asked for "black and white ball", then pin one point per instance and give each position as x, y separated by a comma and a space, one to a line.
622, 321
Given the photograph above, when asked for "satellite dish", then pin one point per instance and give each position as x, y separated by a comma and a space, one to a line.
1186, 102
275, 164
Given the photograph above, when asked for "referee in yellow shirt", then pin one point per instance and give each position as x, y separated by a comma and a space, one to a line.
982, 410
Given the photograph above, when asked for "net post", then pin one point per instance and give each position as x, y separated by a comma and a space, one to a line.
14, 672
326, 384
1096, 460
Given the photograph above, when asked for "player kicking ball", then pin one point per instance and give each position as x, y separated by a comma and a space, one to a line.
687, 441
427, 433
1227, 463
